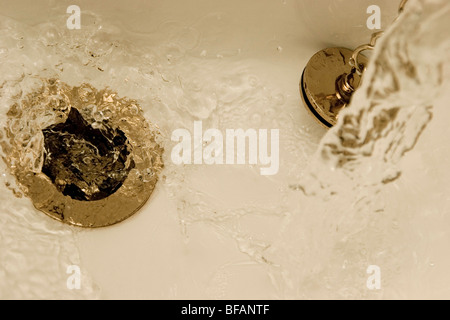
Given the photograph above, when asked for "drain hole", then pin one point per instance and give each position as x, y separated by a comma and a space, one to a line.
84, 162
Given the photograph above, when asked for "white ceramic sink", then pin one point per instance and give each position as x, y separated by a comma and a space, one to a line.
226, 231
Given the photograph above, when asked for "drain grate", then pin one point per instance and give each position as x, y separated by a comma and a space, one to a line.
84, 156
83, 162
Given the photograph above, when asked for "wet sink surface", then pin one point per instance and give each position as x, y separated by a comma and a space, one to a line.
226, 231
201, 233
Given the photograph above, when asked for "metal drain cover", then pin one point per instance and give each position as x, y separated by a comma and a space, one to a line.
90, 158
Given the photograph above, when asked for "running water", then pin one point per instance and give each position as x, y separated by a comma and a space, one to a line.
364, 214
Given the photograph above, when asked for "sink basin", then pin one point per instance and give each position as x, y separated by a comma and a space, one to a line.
225, 231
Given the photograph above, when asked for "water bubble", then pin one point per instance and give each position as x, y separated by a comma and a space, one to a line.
86, 94
188, 38
256, 119
107, 114
133, 109
174, 54
50, 35
98, 116
87, 160
100, 44
15, 126
253, 81
147, 175
279, 99
97, 125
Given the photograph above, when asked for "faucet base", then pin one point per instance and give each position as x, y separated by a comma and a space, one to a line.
328, 82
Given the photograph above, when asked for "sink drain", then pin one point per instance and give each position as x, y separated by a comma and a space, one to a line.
83, 162
83, 156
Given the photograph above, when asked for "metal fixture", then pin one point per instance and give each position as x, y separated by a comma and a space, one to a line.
84, 156
331, 77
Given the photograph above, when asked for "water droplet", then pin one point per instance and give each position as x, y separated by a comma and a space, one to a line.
256, 119
98, 116
253, 81
107, 114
